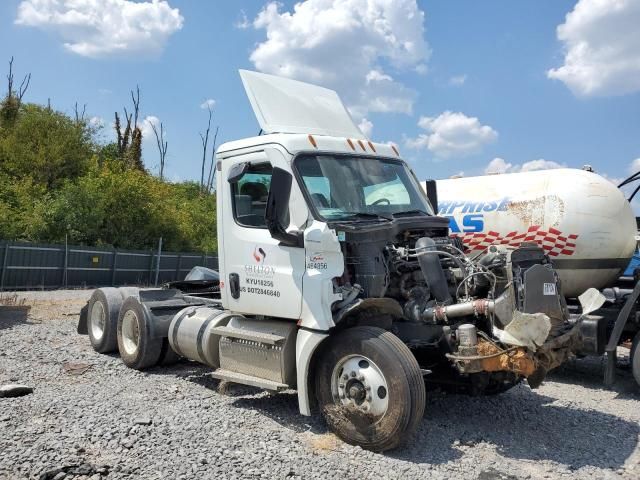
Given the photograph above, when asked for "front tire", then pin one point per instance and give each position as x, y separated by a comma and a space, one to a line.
370, 388
635, 358
138, 348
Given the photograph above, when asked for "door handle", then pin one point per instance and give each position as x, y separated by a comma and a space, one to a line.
234, 285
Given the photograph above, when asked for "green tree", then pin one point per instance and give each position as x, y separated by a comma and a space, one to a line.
46, 146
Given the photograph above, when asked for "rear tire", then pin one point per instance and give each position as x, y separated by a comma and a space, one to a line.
102, 319
138, 349
370, 388
635, 358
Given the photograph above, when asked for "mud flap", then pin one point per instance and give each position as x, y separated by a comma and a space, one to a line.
83, 329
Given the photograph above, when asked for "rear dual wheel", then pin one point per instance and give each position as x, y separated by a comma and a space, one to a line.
370, 388
102, 316
139, 349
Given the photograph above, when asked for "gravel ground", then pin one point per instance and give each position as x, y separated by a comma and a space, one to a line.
112, 422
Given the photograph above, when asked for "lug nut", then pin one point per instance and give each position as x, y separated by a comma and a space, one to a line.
369, 398
345, 377
361, 378
353, 374
367, 388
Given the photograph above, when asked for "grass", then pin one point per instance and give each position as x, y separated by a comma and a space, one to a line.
11, 300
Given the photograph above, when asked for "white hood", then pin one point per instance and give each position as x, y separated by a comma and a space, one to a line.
283, 105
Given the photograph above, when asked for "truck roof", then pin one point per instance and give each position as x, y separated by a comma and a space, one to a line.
298, 142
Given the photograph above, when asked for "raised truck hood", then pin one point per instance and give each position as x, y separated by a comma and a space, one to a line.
282, 105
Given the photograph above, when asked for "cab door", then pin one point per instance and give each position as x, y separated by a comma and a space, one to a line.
261, 276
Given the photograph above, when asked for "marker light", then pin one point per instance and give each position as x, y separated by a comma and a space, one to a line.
312, 141
372, 147
351, 144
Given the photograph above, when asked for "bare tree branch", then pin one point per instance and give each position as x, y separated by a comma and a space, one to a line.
136, 105
80, 116
212, 166
10, 77
24, 85
162, 146
205, 141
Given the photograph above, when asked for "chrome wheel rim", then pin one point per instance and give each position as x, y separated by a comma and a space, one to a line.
130, 332
98, 320
357, 382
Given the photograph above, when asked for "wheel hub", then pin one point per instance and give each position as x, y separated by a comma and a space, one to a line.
97, 320
358, 382
130, 332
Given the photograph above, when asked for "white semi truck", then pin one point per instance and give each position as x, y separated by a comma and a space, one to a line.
337, 279
582, 221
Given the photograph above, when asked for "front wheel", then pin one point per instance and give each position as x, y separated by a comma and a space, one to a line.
635, 358
370, 388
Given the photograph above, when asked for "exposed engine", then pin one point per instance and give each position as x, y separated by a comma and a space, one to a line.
489, 315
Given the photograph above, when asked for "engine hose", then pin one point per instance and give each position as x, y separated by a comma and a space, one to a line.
479, 357
432, 270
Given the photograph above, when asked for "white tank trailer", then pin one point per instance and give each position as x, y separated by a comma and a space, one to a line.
582, 221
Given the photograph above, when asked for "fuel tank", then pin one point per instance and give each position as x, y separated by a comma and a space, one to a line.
582, 220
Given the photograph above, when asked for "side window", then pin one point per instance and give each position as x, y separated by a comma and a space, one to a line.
250, 194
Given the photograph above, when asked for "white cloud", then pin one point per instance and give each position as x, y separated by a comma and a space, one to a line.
500, 165
602, 48
634, 166
366, 127
350, 46
452, 134
147, 129
103, 28
243, 23
457, 80
209, 103
97, 122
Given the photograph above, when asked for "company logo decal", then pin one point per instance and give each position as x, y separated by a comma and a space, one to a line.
469, 215
259, 255
552, 240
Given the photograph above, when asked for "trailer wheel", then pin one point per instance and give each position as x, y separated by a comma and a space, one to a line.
138, 349
102, 319
635, 358
370, 388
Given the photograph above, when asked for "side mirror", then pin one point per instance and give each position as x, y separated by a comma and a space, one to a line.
278, 207
237, 172
432, 195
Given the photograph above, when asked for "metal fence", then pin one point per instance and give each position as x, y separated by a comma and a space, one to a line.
44, 266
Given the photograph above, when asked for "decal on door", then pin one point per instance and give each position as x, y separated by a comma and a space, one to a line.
259, 277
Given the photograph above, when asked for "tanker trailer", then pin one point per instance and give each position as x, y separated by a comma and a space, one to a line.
582, 221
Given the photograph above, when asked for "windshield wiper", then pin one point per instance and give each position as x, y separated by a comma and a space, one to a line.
410, 212
369, 215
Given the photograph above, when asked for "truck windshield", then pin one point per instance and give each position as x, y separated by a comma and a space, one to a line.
343, 187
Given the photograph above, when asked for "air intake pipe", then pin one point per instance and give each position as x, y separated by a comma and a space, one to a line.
429, 261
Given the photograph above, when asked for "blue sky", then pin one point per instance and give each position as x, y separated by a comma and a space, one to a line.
460, 86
